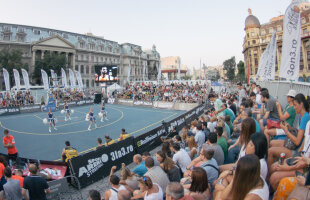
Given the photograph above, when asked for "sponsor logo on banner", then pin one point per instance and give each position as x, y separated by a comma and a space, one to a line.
167, 105
111, 100
176, 123
143, 103
8, 110
30, 107
125, 101
149, 138
190, 114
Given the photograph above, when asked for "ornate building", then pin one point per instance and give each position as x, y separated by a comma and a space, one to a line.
170, 67
258, 36
83, 52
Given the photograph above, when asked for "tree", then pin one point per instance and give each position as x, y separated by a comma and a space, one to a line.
229, 66
50, 61
241, 72
12, 59
187, 77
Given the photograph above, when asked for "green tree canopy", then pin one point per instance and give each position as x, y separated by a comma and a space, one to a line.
50, 61
241, 72
229, 66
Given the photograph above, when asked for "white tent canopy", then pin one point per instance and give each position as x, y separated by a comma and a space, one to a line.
114, 87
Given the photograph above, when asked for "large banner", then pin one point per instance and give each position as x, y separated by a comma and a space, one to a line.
72, 78
6, 79
267, 65
159, 73
64, 78
17, 79
290, 59
79, 79
129, 72
54, 76
26, 79
44, 79
95, 165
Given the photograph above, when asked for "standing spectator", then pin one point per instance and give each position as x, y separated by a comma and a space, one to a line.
217, 104
111, 194
156, 174
180, 157
140, 169
94, 195
200, 136
242, 93
36, 186
68, 152
12, 190
9, 144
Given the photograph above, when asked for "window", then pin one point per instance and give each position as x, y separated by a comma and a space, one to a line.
76, 68
92, 83
280, 37
51, 33
308, 55
248, 35
87, 83
6, 36
91, 46
101, 58
304, 31
303, 20
92, 69
263, 32
279, 28
301, 67
87, 58
254, 41
249, 43
252, 34
82, 69
20, 37
36, 31
87, 69
82, 45
109, 49
270, 30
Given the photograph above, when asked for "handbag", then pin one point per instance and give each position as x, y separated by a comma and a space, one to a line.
273, 124
288, 142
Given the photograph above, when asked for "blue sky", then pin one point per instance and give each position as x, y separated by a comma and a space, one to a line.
192, 29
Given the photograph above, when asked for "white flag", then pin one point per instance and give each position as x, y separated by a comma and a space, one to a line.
54, 76
6, 79
267, 65
290, 59
26, 79
143, 75
64, 78
79, 79
159, 73
72, 78
129, 72
17, 79
44, 79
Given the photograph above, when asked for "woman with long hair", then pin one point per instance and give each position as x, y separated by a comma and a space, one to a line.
192, 147
277, 147
199, 183
150, 190
165, 147
168, 166
246, 184
128, 179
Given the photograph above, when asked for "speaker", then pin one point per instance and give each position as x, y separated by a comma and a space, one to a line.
98, 98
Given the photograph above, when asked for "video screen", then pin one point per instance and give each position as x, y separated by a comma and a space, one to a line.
104, 73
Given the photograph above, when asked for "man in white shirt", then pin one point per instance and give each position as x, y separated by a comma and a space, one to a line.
180, 157
242, 93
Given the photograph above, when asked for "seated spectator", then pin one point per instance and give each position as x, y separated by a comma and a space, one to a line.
168, 166
108, 140
199, 136
271, 110
99, 144
212, 124
228, 112
149, 190
12, 188
246, 183
140, 169
147, 154
277, 146
94, 195
129, 180
68, 152
19, 176
218, 152
111, 194
237, 150
175, 191
36, 186
156, 174
124, 195
192, 147
124, 135
178, 139
221, 140
229, 123
180, 157
165, 147
288, 115
226, 130
199, 183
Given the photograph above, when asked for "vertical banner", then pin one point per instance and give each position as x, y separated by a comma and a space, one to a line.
179, 70
54, 76
290, 59
143, 76
6, 79
159, 73
267, 65
16, 78
200, 70
72, 78
64, 78
129, 72
44, 79
79, 79
26, 79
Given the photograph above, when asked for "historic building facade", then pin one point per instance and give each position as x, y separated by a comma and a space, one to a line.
83, 52
170, 67
257, 37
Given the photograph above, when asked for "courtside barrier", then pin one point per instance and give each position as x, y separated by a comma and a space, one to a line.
9, 111
93, 166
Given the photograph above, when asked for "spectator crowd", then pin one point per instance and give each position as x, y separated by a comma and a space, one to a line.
16, 98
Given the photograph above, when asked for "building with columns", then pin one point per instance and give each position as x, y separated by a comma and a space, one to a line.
257, 37
170, 67
83, 52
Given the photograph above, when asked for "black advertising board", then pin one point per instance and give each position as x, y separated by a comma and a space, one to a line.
149, 140
95, 165
9, 111
147, 104
30, 108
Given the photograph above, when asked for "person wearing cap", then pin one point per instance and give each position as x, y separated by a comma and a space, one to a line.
108, 140
288, 115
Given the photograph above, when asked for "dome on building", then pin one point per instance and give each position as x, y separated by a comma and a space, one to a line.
251, 21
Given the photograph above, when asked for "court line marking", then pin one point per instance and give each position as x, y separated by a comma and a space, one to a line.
87, 150
72, 132
142, 109
38, 117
